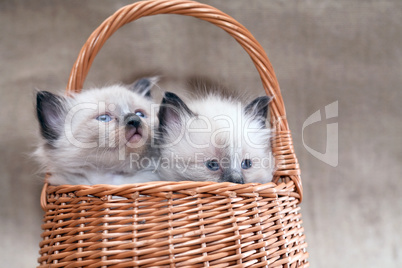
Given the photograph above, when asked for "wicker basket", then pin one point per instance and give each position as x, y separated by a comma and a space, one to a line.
179, 224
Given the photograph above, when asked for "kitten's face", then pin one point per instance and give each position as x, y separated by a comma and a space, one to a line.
98, 127
215, 140
112, 118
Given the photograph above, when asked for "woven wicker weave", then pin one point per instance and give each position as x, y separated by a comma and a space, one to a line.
179, 224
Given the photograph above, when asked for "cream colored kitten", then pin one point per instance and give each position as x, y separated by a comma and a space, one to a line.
98, 136
214, 138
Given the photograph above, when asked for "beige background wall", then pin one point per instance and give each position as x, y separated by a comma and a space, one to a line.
322, 51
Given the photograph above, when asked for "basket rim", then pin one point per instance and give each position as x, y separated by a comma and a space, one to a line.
166, 189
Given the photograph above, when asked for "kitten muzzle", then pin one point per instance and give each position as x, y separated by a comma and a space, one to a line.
133, 128
132, 120
232, 176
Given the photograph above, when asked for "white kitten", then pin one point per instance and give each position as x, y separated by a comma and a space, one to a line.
214, 138
97, 136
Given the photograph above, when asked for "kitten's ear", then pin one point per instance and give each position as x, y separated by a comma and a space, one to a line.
143, 86
51, 111
172, 111
258, 108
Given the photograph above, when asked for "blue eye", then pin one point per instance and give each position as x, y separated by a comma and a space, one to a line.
140, 114
212, 165
104, 118
246, 164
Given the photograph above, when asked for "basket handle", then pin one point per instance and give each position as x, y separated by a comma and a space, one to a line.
288, 168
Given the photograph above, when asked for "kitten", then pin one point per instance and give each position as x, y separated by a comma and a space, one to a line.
98, 136
214, 138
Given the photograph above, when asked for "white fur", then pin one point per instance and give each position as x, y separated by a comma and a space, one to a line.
218, 131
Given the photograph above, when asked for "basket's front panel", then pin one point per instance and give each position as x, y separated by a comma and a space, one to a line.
173, 229
195, 231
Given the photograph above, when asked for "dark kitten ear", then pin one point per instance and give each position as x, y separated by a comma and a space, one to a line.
258, 108
50, 110
144, 86
172, 110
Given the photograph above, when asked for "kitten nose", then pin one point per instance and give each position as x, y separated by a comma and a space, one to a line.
132, 120
232, 176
